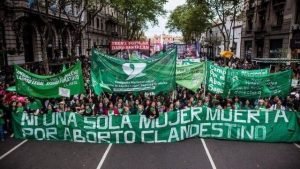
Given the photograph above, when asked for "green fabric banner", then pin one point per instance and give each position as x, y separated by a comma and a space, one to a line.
187, 61
234, 75
244, 125
190, 76
69, 82
275, 84
215, 78
118, 75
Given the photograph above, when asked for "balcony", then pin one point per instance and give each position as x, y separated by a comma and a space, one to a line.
277, 53
111, 19
96, 31
276, 27
260, 29
114, 34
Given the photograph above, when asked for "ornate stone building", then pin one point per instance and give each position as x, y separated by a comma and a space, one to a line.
105, 27
270, 31
21, 31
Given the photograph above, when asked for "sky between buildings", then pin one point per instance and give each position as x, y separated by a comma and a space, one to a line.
160, 28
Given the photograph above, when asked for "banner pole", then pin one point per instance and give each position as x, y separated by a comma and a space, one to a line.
205, 78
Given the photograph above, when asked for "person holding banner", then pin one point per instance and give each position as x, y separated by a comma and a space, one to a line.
99, 109
140, 109
111, 111
247, 105
277, 106
237, 103
152, 111
126, 110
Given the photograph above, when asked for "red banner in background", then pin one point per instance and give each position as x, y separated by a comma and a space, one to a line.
129, 45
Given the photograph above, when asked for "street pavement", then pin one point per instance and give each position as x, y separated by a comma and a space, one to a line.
189, 154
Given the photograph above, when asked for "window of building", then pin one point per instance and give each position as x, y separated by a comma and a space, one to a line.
102, 25
98, 23
260, 48
298, 13
262, 21
89, 18
248, 49
249, 24
279, 15
276, 48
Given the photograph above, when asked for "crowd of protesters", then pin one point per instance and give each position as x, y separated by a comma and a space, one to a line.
142, 103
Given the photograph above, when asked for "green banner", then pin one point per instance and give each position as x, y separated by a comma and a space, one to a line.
275, 84
215, 78
118, 75
187, 61
244, 125
234, 75
69, 82
190, 76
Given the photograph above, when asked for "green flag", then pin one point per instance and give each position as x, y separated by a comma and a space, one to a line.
187, 61
190, 76
134, 56
275, 84
155, 75
233, 76
29, 84
11, 89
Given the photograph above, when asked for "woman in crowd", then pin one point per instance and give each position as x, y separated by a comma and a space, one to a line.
111, 110
152, 111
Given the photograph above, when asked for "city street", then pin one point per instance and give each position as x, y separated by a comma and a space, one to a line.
150, 84
188, 154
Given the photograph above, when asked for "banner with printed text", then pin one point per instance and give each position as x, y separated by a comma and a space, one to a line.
243, 125
154, 75
130, 45
190, 76
275, 84
187, 61
70, 81
234, 75
215, 78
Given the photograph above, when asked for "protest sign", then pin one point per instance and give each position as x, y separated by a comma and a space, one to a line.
243, 125
152, 75
34, 85
190, 76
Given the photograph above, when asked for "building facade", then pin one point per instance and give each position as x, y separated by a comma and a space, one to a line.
105, 27
213, 42
157, 41
22, 24
271, 30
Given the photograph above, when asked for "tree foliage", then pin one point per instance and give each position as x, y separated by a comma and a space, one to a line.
222, 10
137, 13
191, 20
